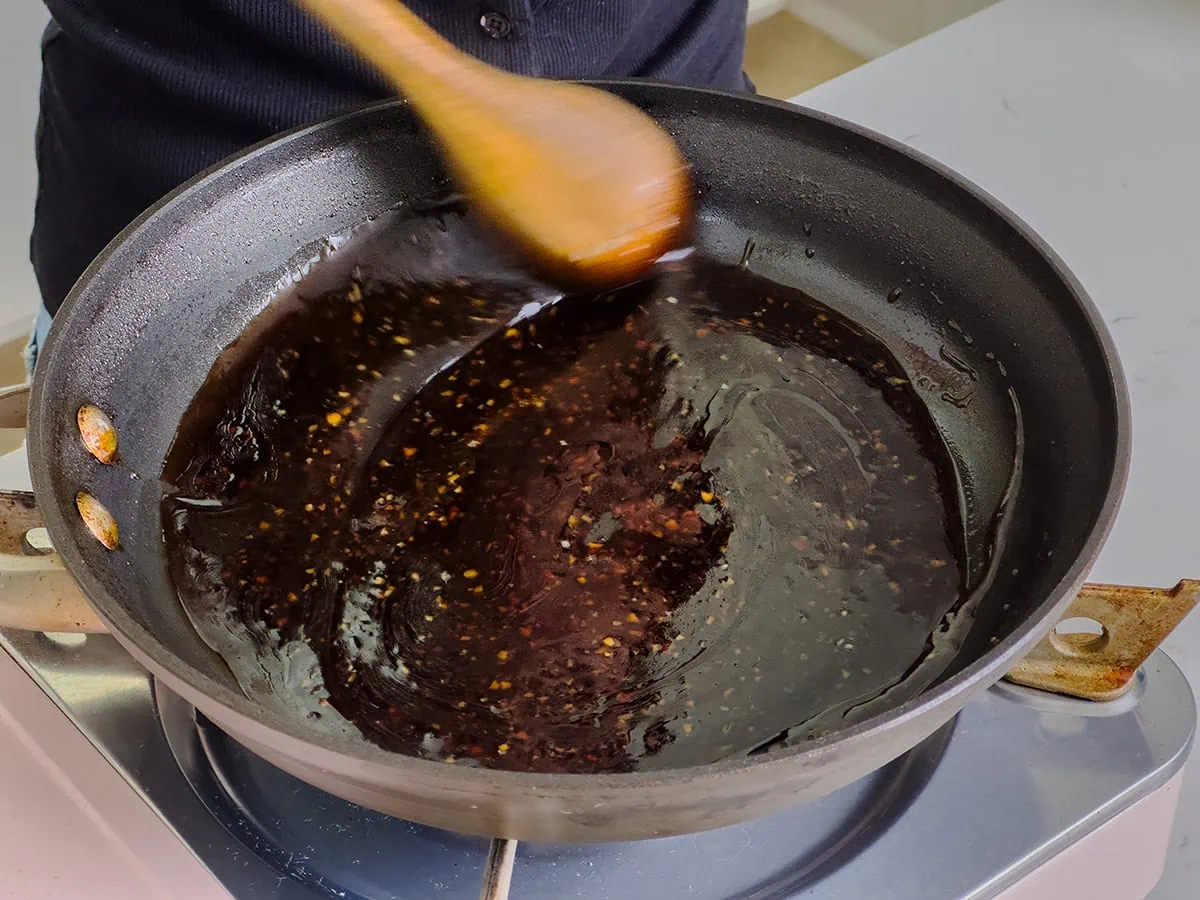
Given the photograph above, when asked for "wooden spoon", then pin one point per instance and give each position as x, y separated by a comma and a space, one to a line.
588, 185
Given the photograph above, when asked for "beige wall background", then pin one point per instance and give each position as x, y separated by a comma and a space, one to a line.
20, 36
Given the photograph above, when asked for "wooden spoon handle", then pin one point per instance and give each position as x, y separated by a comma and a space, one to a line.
588, 185
395, 40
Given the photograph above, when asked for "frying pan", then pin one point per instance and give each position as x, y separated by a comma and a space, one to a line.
983, 317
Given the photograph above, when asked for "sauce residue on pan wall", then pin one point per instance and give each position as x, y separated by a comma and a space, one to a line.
476, 522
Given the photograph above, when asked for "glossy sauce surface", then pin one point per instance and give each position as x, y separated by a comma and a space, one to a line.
700, 517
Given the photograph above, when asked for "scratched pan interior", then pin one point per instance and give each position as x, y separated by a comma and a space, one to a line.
966, 298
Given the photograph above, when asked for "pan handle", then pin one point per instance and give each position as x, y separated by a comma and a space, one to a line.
1125, 625
36, 593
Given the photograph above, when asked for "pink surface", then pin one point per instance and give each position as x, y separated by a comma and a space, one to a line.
70, 825
1121, 860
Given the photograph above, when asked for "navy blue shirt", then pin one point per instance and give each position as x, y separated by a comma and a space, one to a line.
139, 95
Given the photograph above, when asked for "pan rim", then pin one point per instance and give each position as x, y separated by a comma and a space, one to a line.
297, 743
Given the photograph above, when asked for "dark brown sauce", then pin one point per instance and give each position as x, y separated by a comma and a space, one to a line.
678, 523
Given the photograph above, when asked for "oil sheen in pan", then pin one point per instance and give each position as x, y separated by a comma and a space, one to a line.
439, 505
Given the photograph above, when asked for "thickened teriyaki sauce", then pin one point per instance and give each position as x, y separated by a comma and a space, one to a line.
476, 522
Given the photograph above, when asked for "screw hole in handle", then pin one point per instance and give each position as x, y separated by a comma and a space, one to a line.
1079, 636
36, 542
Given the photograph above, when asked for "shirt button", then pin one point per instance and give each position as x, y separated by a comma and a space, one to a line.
496, 25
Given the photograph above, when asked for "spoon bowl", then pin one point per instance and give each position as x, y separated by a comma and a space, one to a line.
588, 186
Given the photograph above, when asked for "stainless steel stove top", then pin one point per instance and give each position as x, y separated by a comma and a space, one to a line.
1015, 779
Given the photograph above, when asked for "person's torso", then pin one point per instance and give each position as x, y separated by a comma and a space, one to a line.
139, 96
268, 65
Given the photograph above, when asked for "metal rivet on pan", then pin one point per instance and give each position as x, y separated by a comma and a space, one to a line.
98, 433
99, 521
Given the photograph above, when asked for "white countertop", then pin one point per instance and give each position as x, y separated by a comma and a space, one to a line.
1083, 117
